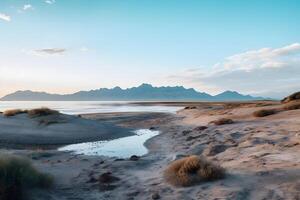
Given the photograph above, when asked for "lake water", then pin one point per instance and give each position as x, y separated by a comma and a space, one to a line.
85, 107
121, 148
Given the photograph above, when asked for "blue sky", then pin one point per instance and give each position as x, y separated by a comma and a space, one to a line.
62, 46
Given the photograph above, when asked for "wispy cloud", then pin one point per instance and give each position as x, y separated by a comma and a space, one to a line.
27, 7
50, 1
48, 51
263, 71
84, 49
5, 17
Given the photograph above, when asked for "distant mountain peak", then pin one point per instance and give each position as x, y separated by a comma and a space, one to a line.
144, 92
145, 85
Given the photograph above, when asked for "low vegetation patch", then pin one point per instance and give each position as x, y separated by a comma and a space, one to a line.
13, 112
292, 97
292, 106
223, 121
38, 112
17, 175
264, 112
192, 170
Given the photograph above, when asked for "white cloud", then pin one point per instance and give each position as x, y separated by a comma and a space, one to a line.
48, 52
27, 7
5, 17
267, 71
50, 1
84, 49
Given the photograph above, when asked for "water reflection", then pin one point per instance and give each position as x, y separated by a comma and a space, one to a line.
121, 148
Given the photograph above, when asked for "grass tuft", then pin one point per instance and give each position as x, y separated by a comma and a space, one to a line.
13, 112
16, 175
222, 121
192, 170
264, 112
292, 106
38, 112
292, 97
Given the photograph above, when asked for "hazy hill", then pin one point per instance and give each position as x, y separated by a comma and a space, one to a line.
144, 92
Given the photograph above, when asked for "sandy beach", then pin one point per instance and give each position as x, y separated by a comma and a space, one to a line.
260, 154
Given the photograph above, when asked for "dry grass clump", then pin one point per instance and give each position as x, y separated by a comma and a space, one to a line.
38, 112
191, 170
223, 121
264, 112
292, 97
16, 175
13, 112
292, 106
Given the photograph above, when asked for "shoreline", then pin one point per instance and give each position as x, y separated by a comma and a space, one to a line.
258, 153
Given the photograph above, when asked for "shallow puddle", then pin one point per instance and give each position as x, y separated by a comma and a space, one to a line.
121, 148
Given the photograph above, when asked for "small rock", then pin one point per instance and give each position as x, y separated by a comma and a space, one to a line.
189, 138
200, 128
152, 128
185, 132
190, 107
107, 178
155, 196
134, 158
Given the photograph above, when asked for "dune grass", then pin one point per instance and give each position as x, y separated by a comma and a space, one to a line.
223, 121
17, 175
38, 112
292, 106
292, 97
192, 170
264, 112
13, 112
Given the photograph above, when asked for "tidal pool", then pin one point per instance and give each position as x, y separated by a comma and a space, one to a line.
121, 148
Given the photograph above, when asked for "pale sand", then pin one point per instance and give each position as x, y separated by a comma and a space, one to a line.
261, 156
23, 130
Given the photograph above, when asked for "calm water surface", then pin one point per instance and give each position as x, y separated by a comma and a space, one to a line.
84, 107
121, 148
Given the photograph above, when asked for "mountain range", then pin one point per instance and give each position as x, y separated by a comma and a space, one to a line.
144, 92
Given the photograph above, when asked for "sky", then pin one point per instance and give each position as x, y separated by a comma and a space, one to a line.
63, 46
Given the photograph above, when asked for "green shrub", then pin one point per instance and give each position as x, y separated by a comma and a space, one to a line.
16, 175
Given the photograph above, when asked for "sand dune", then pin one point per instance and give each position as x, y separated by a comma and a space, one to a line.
259, 154
55, 130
